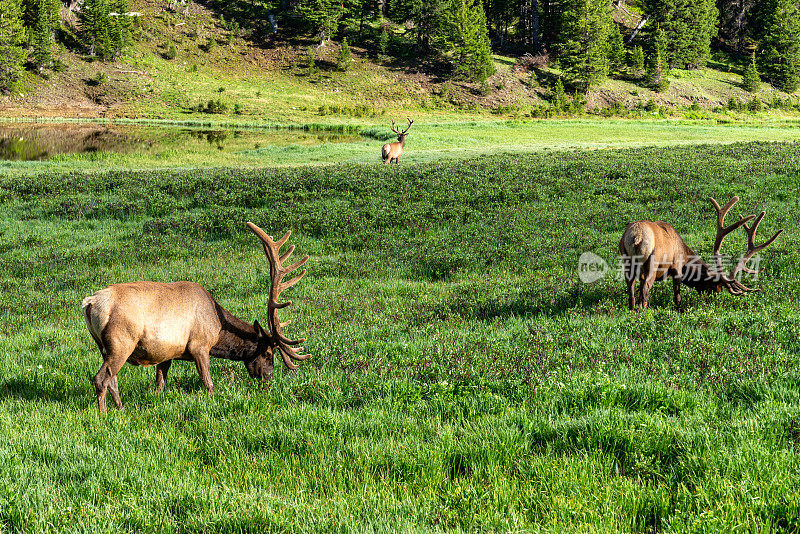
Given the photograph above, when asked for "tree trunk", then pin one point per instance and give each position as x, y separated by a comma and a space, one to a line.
636, 30
533, 26
740, 28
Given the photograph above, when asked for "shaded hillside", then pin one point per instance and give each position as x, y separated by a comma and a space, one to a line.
184, 56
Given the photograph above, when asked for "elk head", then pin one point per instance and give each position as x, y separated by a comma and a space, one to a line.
715, 279
401, 136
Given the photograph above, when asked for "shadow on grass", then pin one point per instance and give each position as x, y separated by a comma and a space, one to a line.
723, 67
473, 302
43, 389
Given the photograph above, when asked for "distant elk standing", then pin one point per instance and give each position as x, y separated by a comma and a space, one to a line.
393, 151
653, 250
152, 323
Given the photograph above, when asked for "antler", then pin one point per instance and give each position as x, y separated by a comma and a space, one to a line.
723, 230
752, 249
410, 122
731, 283
277, 271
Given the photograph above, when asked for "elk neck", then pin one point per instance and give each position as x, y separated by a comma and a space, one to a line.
238, 339
697, 274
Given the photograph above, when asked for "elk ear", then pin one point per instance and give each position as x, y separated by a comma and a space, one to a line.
259, 331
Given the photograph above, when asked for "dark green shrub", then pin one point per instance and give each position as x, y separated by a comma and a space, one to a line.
171, 52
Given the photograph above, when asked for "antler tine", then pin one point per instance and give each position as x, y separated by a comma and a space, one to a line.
295, 266
410, 122
282, 240
288, 354
741, 289
723, 230
286, 285
751, 235
393, 128
752, 248
278, 286
286, 254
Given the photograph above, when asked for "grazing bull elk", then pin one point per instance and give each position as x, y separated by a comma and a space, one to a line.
392, 151
653, 250
152, 323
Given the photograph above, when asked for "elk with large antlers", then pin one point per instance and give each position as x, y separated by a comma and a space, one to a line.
152, 323
392, 151
653, 250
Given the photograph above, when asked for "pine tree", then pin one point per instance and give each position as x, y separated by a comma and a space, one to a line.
119, 27
559, 97
41, 18
94, 27
322, 15
751, 81
656, 61
383, 43
585, 32
637, 60
466, 36
430, 18
41, 41
12, 38
616, 52
779, 46
104, 27
689, 26
311, 61
345, 56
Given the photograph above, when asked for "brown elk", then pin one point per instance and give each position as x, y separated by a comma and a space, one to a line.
152, 323
393, 151
653, 250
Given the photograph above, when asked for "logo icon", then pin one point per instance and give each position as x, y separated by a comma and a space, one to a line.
591, 268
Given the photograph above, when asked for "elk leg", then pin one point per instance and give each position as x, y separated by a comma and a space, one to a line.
105, 379
631, 293
647, 282
203, 363
115, 353
101, 384
113, 387
161, 374
676, 292
630, 281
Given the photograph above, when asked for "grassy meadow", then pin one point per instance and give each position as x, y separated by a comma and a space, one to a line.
254, 145
463, 378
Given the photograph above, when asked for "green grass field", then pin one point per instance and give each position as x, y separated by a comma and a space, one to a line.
428, 142
463, 378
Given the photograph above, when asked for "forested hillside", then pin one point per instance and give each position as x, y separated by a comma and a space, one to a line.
554, 57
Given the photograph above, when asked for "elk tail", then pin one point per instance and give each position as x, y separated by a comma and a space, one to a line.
638, 240
87, 304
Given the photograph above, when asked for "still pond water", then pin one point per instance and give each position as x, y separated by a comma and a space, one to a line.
39, 142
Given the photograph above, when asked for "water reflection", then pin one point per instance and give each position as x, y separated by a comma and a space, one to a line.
32, 142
